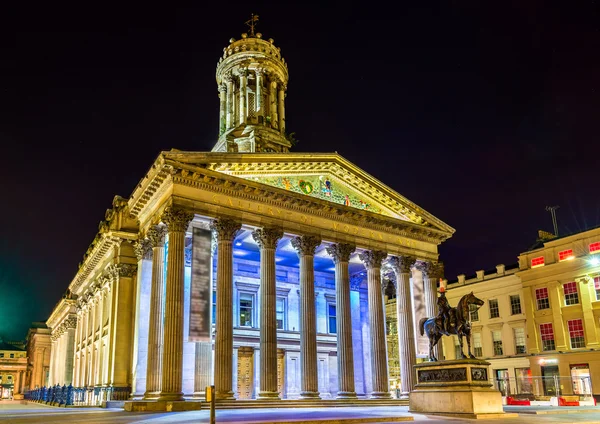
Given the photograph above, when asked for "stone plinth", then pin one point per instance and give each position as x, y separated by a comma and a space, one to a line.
456, 388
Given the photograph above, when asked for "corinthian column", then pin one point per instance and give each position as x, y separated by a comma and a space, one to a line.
156, 235
309, 383
260, 109
341, 255
225, 231
406, 333
432, 272
177, 221
273, 108
379, 366
267, 239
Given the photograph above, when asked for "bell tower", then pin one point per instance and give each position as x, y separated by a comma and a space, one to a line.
252, 78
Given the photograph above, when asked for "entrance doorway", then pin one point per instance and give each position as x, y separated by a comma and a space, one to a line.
550, 380
580, 377
502, 382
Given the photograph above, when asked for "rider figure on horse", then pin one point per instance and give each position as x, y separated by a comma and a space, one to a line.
444, 320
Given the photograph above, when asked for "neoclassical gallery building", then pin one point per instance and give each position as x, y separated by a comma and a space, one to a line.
250, 267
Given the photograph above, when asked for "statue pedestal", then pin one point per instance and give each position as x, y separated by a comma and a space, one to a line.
457, 388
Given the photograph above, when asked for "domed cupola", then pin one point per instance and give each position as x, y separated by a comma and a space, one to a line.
252, 78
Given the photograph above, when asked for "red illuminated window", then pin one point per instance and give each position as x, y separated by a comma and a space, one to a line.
576, 333
565, 254
595, 247
597, 287
547, 336
571, 295
539, 261
541, 297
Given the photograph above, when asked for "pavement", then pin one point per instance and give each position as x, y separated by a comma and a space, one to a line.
16, 412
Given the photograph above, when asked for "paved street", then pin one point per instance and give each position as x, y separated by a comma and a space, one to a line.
15, 412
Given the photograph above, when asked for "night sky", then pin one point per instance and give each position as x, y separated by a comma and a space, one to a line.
483, 116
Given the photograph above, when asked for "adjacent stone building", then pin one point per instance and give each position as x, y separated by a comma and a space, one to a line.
38, 355
13, 369
291, 244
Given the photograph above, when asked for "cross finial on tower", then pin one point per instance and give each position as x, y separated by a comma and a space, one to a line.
252, 23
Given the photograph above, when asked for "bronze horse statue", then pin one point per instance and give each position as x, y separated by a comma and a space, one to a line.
462, 326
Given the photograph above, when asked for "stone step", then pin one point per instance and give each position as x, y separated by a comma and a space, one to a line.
246, 404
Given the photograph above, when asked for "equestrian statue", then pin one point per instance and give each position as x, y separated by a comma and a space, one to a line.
450, 321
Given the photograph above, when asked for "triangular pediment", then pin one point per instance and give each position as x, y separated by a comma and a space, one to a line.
328, 177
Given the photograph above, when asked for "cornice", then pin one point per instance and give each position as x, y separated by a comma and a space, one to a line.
217, 182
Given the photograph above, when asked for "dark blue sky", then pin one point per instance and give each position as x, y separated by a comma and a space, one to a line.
482, 114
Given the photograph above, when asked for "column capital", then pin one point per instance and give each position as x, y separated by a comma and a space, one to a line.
122, 270
433, 270
341, 252
156, 235
225, 229
143, 249
260, 72
372, 258
177, 220
267, 238
222, 88
228, 78
401, 264
306, 245
243, 72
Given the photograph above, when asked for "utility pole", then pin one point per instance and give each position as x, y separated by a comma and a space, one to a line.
552, 210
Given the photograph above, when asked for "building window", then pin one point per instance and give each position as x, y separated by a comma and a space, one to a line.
547, 336
541, 297
595, 247
246, 309
494, 311
331, 318
12, 355
497, 338
576, 333
597, 287
515, 305
477, 348
1, 355
539, 261
214, 306
9, 377
280, 312
565, 255
474, 312
457, 349
571, 295
520, 342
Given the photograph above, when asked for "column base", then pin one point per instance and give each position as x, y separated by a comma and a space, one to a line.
224, 396
405, 395
268, 396
346, 395
309, 395
381, 395
199, 395
151, 395
171, 396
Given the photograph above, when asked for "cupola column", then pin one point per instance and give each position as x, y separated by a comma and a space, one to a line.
281, 107
309, 384
259, 89
222, 108
267, 239
225, 231
341, 256
406, 333
229, 84
243, 95
379, 367
273, 108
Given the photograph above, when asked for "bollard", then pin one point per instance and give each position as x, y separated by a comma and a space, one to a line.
210, 397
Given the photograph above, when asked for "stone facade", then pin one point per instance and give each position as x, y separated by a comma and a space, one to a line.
38, 353
283, 247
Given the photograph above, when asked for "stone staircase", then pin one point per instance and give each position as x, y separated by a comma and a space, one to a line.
294, 403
